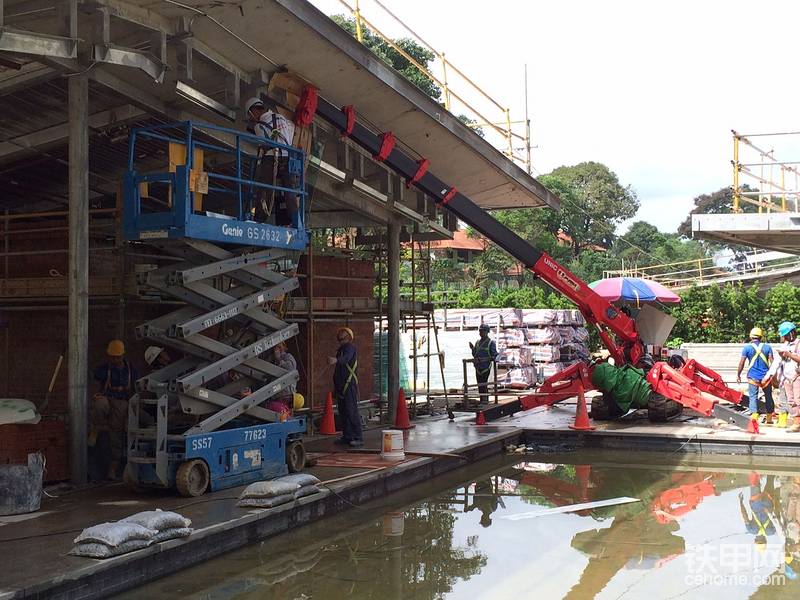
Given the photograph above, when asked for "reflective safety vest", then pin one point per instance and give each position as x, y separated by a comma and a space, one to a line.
483, 355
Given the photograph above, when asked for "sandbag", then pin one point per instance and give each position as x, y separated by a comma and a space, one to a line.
96, 550
158, 519
269, 489
306, 490
266, 502
172, 533
301, 479
114, 534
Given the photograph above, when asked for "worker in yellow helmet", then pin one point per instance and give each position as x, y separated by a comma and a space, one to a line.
116, 378
759, 355
345, 387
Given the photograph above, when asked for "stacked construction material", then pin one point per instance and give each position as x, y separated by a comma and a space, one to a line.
267, 494
132, 533
546, 342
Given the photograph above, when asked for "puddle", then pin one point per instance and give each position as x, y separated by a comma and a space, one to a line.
512, 530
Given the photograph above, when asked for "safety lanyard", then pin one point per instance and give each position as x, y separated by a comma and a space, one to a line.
109, 387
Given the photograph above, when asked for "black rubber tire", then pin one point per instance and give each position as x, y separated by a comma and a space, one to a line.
661, 409
295, 456
605, 409
192, 478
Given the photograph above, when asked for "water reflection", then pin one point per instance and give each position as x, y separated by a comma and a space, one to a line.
692, 533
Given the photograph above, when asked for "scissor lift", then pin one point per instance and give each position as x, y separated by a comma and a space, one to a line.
197, 423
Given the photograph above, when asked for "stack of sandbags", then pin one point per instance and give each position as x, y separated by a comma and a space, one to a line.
514, 357
307, 482
542, 335
168, 525
266, 494
132, 533
112, 539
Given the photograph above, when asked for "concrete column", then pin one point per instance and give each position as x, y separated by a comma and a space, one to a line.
78, 326
393, 315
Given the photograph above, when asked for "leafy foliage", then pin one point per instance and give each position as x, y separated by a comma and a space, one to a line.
395, 59
593, 204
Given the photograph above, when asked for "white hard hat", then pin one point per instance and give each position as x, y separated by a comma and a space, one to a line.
253, 102
151, 354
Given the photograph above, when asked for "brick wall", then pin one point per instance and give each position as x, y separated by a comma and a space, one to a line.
31, 341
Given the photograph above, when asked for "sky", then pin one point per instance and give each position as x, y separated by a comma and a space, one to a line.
650, 89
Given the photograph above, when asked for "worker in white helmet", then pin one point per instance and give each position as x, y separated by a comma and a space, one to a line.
157, 357
266, 122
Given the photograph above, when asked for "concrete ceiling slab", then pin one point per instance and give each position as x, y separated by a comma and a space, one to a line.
773, 231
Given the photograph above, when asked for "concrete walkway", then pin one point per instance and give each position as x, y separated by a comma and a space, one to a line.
41, 541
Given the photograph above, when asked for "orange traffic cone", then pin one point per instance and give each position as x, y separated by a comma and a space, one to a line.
328, 425
582, 473
480, 418
401, 420
581, 415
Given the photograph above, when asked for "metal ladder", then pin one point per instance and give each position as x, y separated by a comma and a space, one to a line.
224, 290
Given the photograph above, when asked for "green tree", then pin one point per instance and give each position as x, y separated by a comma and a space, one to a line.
395, 59
593, 203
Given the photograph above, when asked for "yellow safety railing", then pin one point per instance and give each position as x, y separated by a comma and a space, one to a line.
703, 271
768, 174
502, 126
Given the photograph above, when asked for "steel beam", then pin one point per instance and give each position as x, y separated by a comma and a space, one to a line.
126, 57
393, 370
78, 309
201, 99
37, 44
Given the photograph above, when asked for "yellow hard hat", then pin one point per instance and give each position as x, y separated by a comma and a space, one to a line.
115, 348
756, 332
298, 401
347, 330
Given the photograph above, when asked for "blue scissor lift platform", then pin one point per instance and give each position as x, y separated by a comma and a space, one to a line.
198, 423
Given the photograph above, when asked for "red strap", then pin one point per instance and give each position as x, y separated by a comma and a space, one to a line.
449, 195
422, 168
350, 113
306, 106
387, 143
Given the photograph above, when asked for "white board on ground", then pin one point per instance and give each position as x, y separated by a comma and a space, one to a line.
571, 508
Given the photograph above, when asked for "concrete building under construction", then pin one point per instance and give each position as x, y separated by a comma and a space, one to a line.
77, 77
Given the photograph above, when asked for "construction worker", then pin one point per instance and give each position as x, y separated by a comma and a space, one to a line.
282, 401
157, 357
116, 378
759, 356
345, 386
268, 123
762, 507
484, 353
785, 372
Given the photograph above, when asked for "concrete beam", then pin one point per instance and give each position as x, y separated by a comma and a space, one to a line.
773, 231
78, 310
29, 75
31, 142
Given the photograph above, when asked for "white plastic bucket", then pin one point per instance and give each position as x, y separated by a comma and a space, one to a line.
392, 445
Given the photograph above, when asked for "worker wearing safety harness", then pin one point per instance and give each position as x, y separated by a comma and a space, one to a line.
109, 411
268, 123
762, 506
759, 356
345, 386
484, 353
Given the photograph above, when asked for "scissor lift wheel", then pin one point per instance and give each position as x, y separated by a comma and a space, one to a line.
192, 478
295, 456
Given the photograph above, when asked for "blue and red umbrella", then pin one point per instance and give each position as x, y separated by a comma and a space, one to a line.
633, 289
